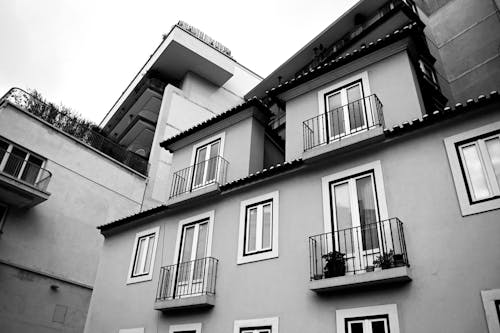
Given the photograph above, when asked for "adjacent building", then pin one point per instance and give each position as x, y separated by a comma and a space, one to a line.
61, 176
346, 197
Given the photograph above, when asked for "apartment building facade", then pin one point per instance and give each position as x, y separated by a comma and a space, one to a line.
378, 213
61, 176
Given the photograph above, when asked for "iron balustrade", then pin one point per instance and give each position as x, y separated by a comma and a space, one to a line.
199, 175
330, 52
357, 116
190, 278
371, 247
23, 170
80, 129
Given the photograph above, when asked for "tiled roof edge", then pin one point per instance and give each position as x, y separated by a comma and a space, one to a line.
440, 115
254, 101
341, 60
130, 218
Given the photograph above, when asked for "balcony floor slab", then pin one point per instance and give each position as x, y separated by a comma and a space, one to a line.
391, 275
191, 302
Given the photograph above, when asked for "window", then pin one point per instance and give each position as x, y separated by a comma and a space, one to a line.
374, 324
3, 215
263, 325
491, 304
206, 160
187, 328
428, 72
346, 107
143, 256
480, 161
19, 163
474, 158
195, 269
258, 236
258, 227
371, 319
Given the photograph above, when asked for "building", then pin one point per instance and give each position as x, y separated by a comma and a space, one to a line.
379, 212
463, 36
66, 176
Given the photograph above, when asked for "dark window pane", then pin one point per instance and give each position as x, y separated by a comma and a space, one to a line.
356, 327
379, 326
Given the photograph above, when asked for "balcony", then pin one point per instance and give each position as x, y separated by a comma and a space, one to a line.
202, 177
368, 255
187, 285
76, 127
23, 183
355, 123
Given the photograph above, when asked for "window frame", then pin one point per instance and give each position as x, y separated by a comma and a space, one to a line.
196, 327
219, 137
209, 216
149, 275
390, 310
452, 144
260, 249
271, 323
244, 257
4, 159
375, 169
490, 300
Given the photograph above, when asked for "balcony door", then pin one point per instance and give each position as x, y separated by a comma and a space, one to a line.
354, 215
192, 264
206, 164
346, 111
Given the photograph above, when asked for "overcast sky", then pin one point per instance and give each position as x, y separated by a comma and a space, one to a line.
84, 53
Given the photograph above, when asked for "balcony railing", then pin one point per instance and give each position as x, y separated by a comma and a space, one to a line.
25, 171
372, 247
352, 36
344, 121
199, 175
187, 279
78, 128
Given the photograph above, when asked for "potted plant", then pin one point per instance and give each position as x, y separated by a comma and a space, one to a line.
335, 264
386, 260
399, 260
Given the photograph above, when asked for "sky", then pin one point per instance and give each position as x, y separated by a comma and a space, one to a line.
84, 53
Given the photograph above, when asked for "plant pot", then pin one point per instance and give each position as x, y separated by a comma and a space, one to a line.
370, 268
399, 260
335, 268
317, 276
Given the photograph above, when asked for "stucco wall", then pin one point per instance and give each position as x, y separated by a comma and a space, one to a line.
237, 150
452, 258
391, 79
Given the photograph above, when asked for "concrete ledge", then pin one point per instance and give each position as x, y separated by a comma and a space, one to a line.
357, 140
19, 193
200, 192
391, 275
191, 302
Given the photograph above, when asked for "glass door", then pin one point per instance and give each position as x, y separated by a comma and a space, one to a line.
355, 213
206, 164
346, 111
192, 263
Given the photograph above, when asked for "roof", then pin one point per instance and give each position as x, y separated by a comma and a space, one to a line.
279, 169
257, 102
342, 60
133, 217
440, 115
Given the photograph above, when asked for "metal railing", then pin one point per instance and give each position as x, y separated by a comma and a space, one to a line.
190, 278
199, 175
357, 250
349, 38
343, 121
21, 169
77, 127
